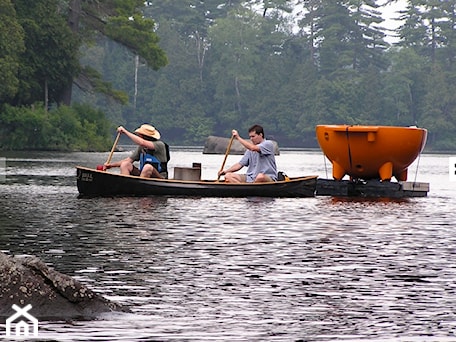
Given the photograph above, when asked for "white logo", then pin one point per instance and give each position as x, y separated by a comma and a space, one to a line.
22, 326
452, 169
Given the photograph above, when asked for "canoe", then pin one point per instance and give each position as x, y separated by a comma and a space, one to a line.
92, 182
371, 152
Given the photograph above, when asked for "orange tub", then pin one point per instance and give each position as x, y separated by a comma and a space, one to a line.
371, 152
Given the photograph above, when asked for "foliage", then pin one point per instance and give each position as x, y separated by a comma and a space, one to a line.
288, 65
53, 33
137, 34
50, 60
40, 44
11, 46
77, 128
120, 21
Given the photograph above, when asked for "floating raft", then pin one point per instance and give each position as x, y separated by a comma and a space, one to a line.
371, 152
371, 188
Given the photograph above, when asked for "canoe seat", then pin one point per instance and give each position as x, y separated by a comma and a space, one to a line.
188, 173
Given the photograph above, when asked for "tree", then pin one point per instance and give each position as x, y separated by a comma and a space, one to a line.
50, 60
308, 25
232, 66
439, 112
406, 83
191, 19
348, 37
120, 21
235, 51
418, 31
429, 31
11, 47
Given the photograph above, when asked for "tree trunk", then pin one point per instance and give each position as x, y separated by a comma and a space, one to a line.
46, 95
136, 83
74, 14
200, 53
238, 95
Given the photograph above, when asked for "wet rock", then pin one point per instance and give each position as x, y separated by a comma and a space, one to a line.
53, 295
218, 145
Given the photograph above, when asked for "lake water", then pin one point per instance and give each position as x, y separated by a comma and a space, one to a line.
240, 269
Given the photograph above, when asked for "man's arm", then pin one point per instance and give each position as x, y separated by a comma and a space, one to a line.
246, 143
137, 139
233, 168
117, 164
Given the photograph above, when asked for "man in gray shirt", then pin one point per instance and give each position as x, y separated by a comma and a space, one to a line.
259, 159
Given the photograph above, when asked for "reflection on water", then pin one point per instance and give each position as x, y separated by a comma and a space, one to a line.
313, 269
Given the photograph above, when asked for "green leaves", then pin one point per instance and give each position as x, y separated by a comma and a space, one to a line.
50, 59
137, 34
233, 63
80, 128
11, 46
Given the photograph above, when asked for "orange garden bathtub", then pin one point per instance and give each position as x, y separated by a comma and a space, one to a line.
371, 152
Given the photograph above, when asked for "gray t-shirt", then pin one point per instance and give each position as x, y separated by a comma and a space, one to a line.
159, 152
260, 162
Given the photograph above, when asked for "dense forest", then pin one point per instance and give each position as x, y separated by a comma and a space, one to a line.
200, 68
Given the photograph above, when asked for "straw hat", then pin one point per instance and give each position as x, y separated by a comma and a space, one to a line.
148, 131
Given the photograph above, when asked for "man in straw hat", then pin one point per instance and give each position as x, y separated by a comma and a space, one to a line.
152, 153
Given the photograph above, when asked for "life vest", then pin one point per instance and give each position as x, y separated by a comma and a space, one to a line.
147, 157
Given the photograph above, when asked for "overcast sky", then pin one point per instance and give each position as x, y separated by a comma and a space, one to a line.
389, 13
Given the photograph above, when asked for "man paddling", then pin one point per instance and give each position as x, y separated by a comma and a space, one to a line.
152, 153
259, 159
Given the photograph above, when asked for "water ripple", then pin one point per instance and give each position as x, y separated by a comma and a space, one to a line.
316, 269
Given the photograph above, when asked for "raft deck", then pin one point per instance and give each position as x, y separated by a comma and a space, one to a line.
371, 188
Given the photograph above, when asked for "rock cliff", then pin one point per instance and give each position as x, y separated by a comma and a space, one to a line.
218, 145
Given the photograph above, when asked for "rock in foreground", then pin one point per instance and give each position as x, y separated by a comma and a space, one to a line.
53, 295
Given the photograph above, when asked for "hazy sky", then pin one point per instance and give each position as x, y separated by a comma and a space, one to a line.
389, 13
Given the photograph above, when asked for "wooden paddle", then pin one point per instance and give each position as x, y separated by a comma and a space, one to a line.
226, 155
113, 148
100, 167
